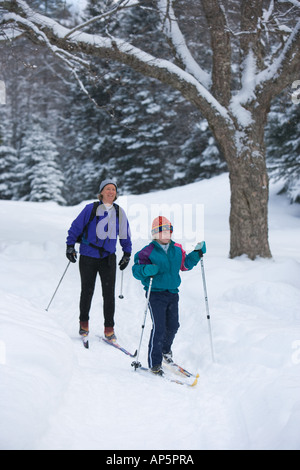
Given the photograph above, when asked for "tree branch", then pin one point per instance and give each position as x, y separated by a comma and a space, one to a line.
221, 46
175, 36
251, 14
122, 4
285, 69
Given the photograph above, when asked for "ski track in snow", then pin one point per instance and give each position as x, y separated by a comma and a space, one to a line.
57, 395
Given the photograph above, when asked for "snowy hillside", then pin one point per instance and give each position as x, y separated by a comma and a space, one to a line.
57, 395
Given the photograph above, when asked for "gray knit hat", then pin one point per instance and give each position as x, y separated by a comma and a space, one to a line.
105, 183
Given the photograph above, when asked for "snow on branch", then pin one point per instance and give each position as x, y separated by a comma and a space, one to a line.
167, 72
174, 34
27, 25
290, 49
121, 5
247, 92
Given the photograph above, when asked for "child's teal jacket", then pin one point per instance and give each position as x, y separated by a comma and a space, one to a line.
169, 264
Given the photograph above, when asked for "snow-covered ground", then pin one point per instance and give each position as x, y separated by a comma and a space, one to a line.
57, 395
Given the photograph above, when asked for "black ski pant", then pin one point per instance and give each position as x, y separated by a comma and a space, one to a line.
106, 268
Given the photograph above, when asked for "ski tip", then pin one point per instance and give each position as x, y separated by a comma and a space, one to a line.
195, 381
85, 342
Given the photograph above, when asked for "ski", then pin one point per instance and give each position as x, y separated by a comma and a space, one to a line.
165, 377
177, 368
85, 341
117, 346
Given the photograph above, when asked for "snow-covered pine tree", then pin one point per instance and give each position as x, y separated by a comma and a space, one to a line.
199, 156
8, 162
58, 9
85, 141
283, 145
40, 177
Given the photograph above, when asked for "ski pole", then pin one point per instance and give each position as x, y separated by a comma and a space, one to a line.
136, 363
58, 286
207, 310
121, 296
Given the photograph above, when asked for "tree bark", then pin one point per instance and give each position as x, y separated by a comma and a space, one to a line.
245, 153
249, 207
220, 42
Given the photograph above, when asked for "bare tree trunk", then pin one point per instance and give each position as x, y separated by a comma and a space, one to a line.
244, 151
249, 184
249, 207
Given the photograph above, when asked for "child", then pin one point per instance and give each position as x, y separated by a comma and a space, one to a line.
163, 259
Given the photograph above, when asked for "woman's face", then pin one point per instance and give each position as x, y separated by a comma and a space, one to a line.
109, 194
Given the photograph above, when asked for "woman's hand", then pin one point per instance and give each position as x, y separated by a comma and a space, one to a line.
124, 261
71, 253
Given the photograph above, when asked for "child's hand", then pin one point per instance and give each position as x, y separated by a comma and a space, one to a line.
150, 270
201, 248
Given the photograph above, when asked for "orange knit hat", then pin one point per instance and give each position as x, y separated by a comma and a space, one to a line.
161, 224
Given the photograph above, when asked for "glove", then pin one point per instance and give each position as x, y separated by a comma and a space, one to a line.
124, 261
71, 253
150, 270
201, 248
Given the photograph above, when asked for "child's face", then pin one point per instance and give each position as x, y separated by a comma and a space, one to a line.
164, 237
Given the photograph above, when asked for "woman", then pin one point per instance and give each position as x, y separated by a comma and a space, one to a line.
97, 228
163, 260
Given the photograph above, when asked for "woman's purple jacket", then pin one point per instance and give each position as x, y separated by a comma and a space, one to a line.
100, 240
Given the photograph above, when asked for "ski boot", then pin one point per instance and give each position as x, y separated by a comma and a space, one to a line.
110, 334
84, 333
157, 370
84, 328
168, 357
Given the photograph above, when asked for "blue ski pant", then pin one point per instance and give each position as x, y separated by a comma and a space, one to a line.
163, 308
